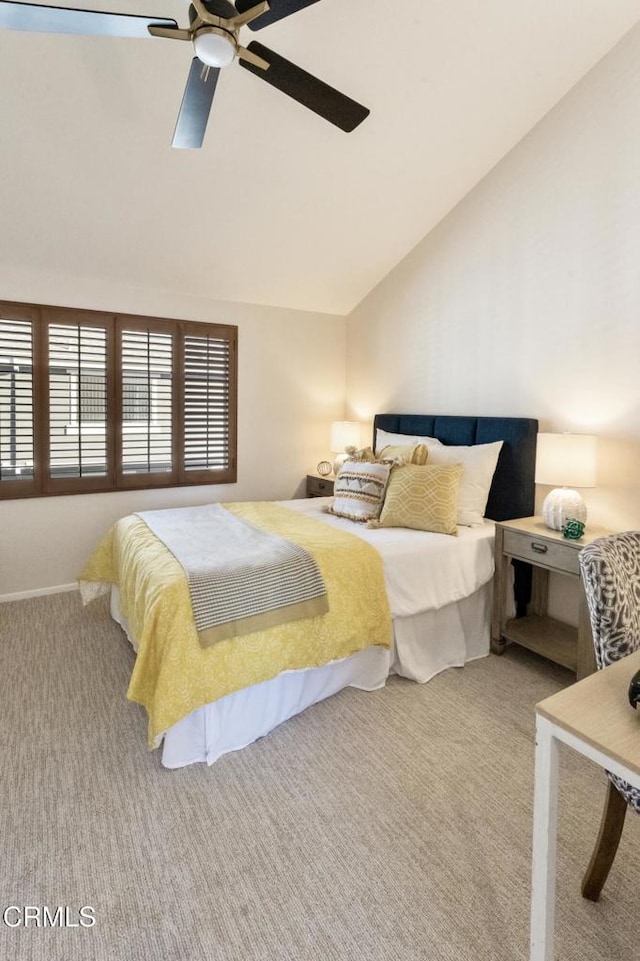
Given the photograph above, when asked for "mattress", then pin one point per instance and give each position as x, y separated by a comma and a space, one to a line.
422, 571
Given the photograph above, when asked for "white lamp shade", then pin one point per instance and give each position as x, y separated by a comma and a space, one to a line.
344, 433
566, 460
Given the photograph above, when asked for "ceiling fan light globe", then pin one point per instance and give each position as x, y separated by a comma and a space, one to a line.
214, 48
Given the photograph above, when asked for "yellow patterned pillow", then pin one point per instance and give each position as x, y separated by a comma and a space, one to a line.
410, 453
422, 498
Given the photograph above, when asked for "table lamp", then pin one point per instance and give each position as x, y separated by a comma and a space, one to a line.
344, 433
564, 462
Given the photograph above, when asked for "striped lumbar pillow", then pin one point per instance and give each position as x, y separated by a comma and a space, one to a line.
359, 490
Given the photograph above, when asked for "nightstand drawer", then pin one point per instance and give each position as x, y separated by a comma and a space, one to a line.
319, 486
542, 552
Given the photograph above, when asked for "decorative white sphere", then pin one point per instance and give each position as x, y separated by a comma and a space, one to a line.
562, 505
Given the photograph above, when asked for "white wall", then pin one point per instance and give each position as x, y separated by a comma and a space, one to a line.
525, 300
291, 383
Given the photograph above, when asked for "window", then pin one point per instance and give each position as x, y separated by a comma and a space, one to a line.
98, 402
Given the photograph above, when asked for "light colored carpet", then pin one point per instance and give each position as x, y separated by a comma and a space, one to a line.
393, 825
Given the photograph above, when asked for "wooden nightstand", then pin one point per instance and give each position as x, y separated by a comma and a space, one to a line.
319, 486
529, 539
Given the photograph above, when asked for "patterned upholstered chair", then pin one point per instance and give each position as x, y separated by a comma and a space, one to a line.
611, 575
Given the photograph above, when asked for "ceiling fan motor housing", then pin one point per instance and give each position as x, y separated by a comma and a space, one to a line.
215, 45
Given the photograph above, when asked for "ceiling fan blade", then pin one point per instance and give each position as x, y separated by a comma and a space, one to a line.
169, 33
195, 106
244, 54
278, 9
307, 90
42, 19
252, 13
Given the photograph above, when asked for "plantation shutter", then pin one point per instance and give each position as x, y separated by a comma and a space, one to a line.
17, 433
209, 405
77, 409
91, 401
147, 358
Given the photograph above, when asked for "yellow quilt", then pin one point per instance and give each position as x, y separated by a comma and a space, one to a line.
173, 675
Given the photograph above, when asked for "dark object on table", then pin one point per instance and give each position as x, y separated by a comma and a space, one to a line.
634, 690
573, 529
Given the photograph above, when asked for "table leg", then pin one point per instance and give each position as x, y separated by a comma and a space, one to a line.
545, 818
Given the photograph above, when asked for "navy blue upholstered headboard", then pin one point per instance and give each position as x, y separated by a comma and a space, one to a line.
512, 492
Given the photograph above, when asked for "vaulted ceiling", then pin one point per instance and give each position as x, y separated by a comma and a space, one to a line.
278, 207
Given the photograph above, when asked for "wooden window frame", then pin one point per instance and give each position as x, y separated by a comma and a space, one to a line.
115, 479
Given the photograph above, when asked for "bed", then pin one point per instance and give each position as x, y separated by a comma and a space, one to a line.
438, 594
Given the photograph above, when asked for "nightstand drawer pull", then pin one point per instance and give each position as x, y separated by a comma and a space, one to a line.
539, 548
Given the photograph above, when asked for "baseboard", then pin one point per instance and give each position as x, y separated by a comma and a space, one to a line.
40, 592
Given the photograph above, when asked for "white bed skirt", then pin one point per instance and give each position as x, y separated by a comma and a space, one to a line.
432, 641
424, 645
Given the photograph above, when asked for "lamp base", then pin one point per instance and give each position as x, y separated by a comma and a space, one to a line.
561, 505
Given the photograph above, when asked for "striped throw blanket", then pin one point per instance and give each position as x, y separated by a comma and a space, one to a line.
241, 579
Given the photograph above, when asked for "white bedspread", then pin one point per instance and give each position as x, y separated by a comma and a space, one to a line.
422, 571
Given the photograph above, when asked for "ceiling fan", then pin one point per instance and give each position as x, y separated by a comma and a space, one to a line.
214, 28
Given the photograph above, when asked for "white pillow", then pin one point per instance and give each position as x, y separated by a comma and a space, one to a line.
479, 463
385, 439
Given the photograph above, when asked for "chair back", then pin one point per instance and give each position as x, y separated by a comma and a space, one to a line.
611, 576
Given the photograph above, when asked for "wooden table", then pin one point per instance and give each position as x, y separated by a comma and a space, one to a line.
595, 719
529, 539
